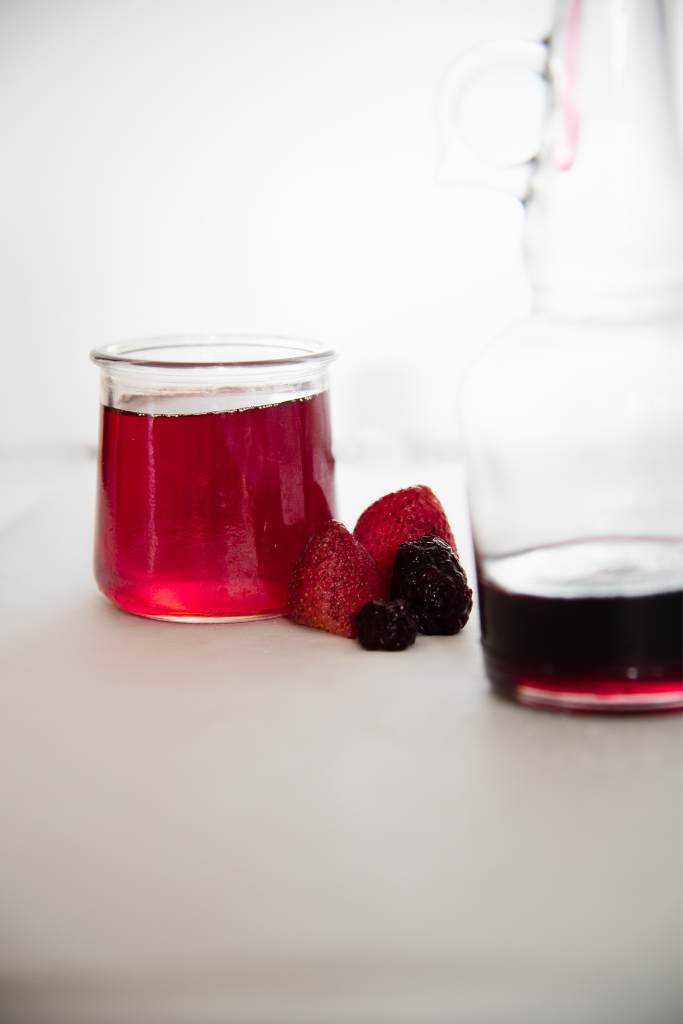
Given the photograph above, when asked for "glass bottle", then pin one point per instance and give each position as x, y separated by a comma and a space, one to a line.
573, 420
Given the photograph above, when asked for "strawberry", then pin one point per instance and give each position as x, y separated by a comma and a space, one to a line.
333, 578
397, 517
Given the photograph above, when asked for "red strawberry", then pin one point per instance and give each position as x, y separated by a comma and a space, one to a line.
332, 580
397, 517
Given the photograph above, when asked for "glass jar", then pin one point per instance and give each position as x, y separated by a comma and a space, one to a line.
215, 465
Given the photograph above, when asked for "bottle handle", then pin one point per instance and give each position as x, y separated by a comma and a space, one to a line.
458, 161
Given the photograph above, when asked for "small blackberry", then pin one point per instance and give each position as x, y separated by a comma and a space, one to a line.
385, 626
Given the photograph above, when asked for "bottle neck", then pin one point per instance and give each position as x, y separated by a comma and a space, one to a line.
604, 226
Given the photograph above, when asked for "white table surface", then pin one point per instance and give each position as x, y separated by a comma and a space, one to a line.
263, 823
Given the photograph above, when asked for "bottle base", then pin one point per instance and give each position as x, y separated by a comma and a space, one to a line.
601, 695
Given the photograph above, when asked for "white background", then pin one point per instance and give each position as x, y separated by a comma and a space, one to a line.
194, 165
219, 165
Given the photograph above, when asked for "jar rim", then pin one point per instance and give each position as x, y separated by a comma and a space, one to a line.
174, 352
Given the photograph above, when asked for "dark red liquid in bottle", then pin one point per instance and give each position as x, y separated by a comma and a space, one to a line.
608, 653
203, 516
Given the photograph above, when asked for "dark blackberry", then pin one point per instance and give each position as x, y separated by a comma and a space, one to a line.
414, 556
441, 601
429, 577
385, 626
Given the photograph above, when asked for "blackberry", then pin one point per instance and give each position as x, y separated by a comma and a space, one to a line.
385, 626
429, 577
414, 556
441, 602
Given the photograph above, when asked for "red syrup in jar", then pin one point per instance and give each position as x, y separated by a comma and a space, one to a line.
203, 516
